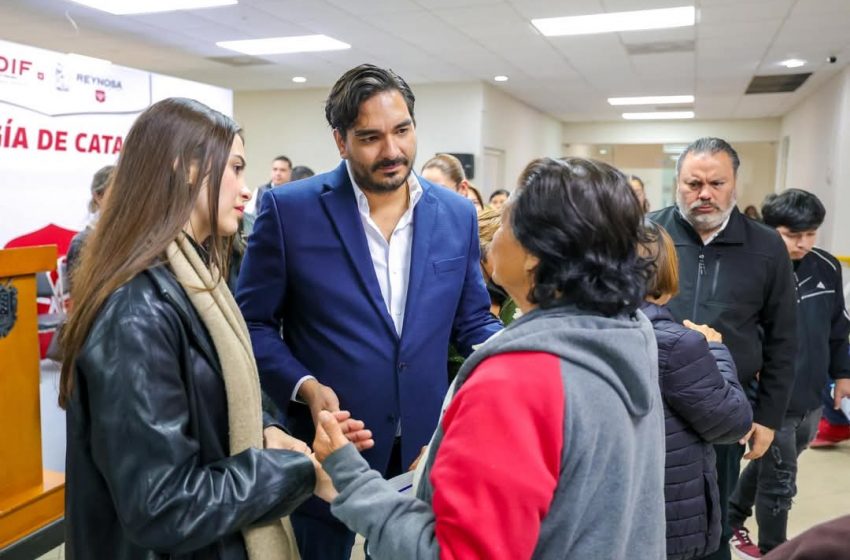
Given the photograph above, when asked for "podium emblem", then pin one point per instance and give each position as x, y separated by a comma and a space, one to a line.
8, 308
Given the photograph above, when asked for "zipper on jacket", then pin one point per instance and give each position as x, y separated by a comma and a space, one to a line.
716, 275
700, 274
797, 287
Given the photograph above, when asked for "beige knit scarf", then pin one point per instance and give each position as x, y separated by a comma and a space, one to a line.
218, 311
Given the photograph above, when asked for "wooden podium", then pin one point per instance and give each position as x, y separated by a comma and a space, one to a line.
30, 497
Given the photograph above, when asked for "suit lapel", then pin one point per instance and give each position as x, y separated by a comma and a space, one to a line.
424, 220
341, 207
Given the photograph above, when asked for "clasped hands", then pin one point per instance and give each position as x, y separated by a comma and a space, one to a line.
335, 428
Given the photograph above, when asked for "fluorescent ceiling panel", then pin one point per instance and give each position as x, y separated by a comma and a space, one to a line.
285, 45
618, 21
126, 7
652, 100
658, 115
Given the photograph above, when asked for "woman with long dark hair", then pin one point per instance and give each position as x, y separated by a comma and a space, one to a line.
169, 451
551, 443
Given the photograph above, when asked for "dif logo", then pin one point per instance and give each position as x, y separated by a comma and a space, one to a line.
14, 66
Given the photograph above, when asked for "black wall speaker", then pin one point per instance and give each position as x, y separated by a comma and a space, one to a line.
468, 162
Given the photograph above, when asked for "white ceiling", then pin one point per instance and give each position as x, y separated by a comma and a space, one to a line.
428, 41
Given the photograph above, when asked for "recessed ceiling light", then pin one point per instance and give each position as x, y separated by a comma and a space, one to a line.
285, 45
299, 79
618, 21
792, 63
651, 100
658, 115
121, 8
500, 78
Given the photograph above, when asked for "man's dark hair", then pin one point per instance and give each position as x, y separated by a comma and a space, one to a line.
579, 218
356, 86
300, 172
796, 209
709, 145
284, 158
497, 192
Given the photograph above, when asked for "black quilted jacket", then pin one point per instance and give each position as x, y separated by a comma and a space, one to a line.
703, 404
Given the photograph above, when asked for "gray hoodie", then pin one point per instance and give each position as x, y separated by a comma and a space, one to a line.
609, 498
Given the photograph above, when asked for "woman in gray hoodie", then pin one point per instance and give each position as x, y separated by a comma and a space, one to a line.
551, 444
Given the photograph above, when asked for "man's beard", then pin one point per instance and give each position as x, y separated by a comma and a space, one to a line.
366, 182
705, 223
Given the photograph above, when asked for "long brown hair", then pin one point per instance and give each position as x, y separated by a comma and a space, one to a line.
175, 147
664, 279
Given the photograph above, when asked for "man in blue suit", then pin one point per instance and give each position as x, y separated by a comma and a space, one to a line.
369, 272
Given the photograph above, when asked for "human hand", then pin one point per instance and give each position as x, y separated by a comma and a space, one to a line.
759, 437
354, 430
415, 462
275, 438
842, 389
318, 397
329, 436
324, 488
710, 334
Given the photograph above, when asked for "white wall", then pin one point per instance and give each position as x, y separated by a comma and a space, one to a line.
293, 123
290, 123
757, 175
448, 119
455, 117
523, 133
818, 131
668, 132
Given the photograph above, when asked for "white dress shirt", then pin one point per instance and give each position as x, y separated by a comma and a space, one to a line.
390, 259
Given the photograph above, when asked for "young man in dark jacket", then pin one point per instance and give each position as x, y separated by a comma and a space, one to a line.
822, 353
735, 275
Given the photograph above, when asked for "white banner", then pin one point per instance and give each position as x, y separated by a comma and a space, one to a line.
61, 119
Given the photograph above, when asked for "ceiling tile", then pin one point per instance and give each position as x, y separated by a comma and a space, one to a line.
746, 11
430, 41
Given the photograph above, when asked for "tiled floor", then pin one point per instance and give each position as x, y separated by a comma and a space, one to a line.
823, 493
823, 487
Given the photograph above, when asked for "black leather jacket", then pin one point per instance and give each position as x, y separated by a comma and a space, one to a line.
148, 472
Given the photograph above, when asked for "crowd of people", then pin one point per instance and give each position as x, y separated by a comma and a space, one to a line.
566, 374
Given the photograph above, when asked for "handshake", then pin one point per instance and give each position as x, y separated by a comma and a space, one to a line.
334, 429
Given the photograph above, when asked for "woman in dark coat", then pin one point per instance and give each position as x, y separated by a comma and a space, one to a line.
703, 405
169, 451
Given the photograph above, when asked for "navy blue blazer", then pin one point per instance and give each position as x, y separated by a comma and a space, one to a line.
308, 274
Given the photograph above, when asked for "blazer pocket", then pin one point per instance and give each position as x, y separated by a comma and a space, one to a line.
447, 265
